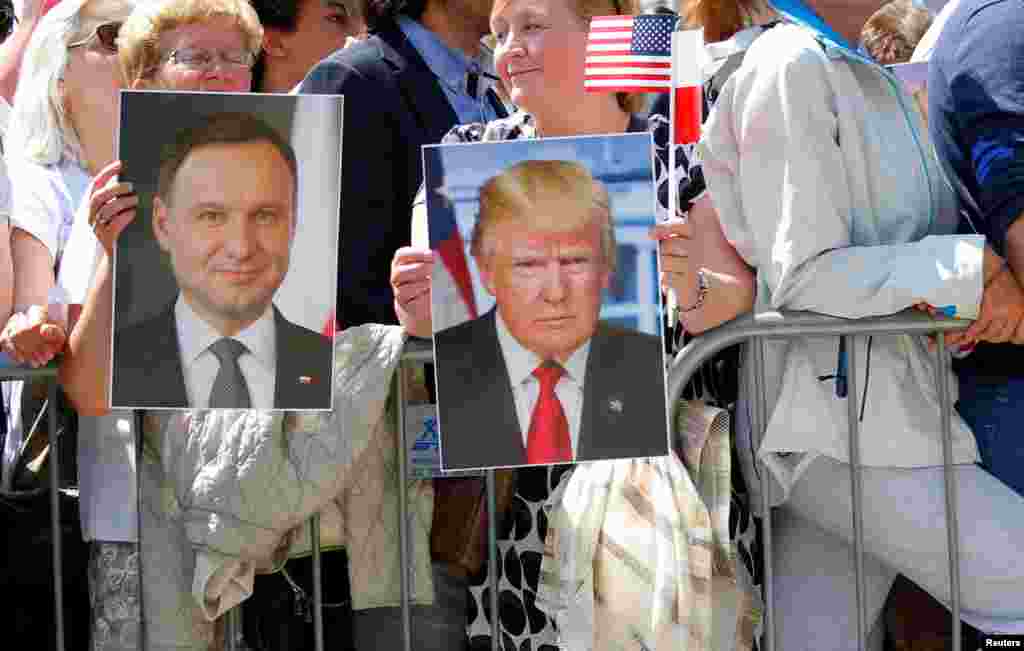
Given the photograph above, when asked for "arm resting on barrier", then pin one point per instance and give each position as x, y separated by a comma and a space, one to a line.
1002, 308
33, 260
789, 324
29, 337
699, 244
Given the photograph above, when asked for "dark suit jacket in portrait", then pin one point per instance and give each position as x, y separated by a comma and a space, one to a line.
393, 106
148, 374
623, 413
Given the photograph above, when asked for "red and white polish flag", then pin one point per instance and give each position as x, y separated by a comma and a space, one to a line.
687, 90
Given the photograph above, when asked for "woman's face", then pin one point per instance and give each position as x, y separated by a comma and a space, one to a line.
202, 56
92, 77
540, 49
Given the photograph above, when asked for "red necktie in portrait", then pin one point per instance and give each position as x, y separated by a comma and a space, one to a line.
548, 439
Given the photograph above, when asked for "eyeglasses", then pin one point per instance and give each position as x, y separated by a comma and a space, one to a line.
200, 59
105, 33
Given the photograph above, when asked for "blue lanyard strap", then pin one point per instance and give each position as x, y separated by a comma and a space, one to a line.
796, 11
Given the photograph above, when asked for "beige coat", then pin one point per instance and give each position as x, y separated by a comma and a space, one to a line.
228, 493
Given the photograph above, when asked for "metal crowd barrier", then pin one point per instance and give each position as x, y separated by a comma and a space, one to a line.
9, 371
232, 622
417, 351
755, 329
752, 328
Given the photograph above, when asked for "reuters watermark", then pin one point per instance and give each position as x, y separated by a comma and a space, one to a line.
1002, 642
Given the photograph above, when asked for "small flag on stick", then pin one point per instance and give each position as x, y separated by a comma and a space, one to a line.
629, 54
687, 91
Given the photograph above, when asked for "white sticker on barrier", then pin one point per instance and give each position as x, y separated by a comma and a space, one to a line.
422, 444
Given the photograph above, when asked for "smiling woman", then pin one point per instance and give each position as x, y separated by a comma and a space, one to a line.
540, 55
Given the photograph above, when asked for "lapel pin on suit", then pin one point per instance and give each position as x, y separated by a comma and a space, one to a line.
307, 379
616, 405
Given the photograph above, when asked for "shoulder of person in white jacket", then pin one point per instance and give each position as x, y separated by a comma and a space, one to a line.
819, 131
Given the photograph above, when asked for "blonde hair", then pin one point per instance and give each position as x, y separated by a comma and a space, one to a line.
138, 42
516, 193
891, 33
720, 19
40, 129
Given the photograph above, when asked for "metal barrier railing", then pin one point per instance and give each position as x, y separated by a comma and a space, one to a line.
417, 351
751, 328
49, 372
755, 329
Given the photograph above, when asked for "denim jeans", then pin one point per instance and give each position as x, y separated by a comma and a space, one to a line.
994, 412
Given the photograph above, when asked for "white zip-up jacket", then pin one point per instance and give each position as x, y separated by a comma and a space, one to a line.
227, 493
825, 182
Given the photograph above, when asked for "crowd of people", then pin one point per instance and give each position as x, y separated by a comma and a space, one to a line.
820, 183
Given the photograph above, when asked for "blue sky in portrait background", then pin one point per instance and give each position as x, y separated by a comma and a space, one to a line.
623, 162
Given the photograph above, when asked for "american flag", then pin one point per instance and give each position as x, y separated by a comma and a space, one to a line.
630, 54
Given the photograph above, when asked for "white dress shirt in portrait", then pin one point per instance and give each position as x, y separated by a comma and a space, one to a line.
521, 363
200, 366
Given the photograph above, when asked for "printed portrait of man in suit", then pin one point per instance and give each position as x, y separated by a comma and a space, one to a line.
224, 213
541, 378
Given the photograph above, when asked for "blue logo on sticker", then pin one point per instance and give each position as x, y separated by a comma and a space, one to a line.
428, 439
